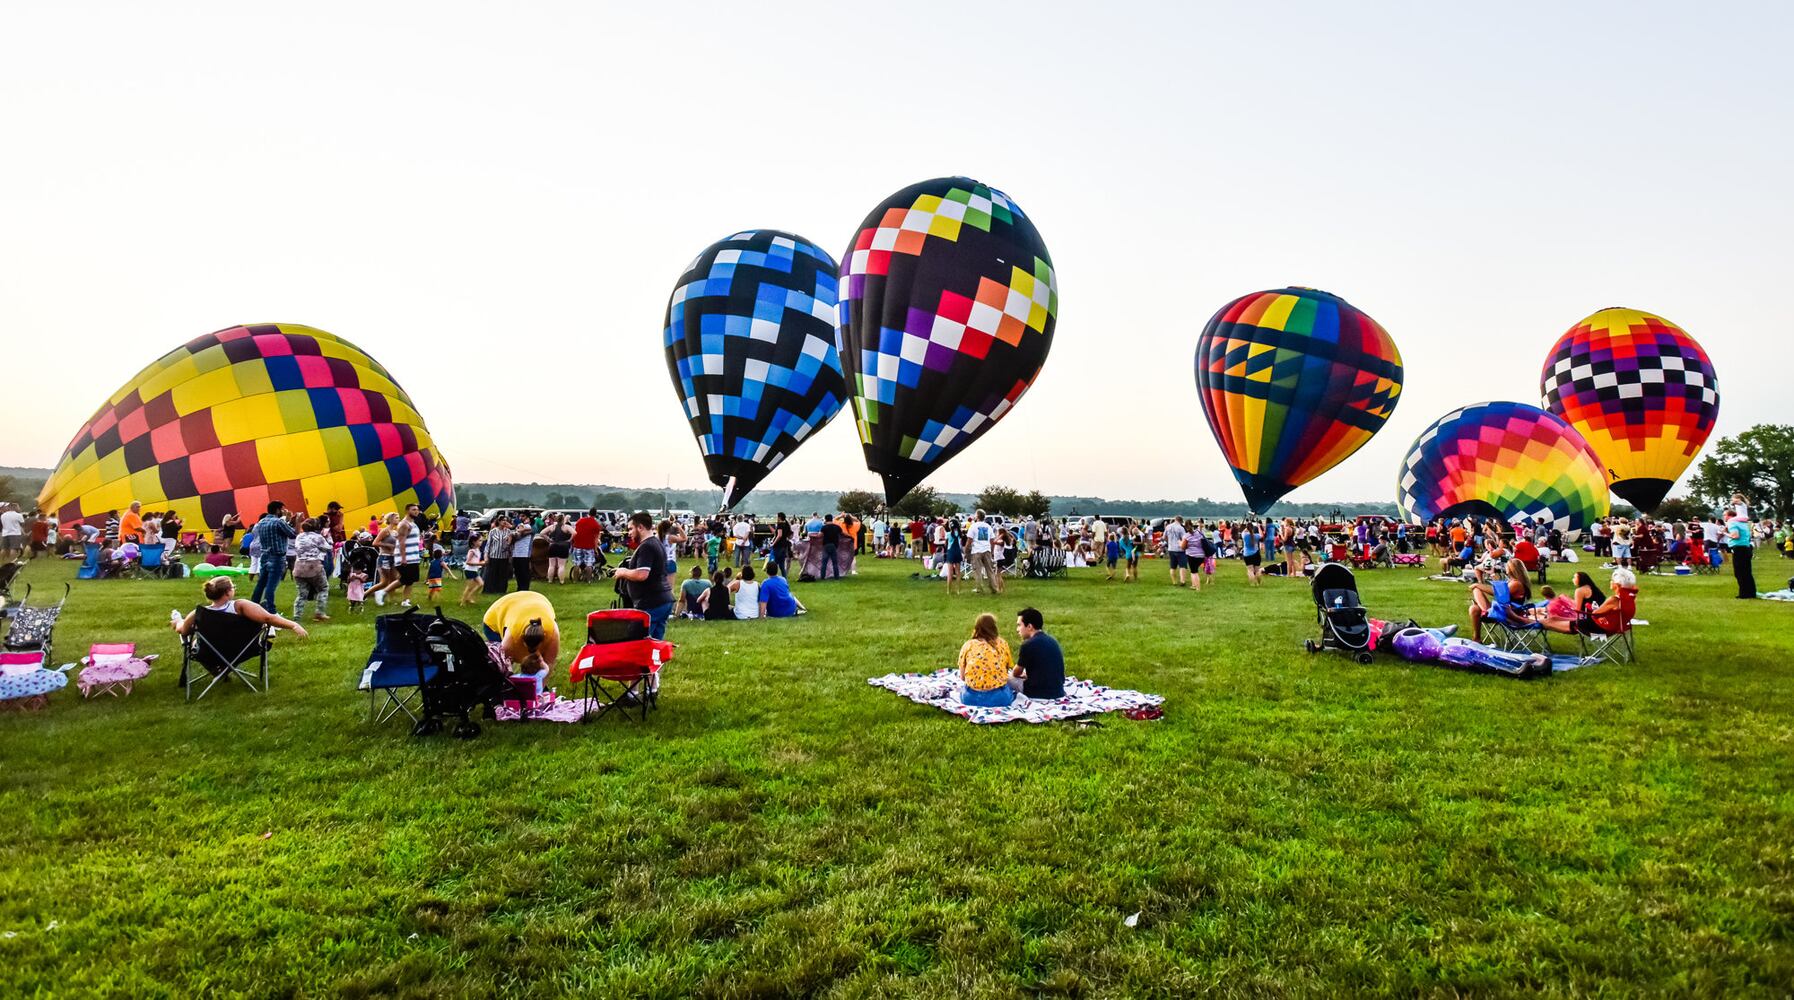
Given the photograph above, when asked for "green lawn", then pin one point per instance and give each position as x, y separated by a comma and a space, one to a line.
1295, 826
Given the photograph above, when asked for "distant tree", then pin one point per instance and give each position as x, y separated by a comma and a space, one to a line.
1036, 504
610, 501
919, 502
946, 508
648, 500
12, 491
999, 500
1758, 463
859, 503
1680, 509
475, 500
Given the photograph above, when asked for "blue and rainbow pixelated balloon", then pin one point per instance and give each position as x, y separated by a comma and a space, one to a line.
1506, 460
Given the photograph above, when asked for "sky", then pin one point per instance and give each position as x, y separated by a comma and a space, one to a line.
495, 203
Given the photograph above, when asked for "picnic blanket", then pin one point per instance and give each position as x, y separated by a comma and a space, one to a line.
562, 710
941, 690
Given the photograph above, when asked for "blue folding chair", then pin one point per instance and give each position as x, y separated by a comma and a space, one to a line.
150, 559
90, 566
399, 666
1510, 627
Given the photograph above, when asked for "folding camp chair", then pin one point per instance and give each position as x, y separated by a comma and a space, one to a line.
151, 559
112, 668
189, 541
90, 563
399, 666
1613, 643
222, 642
1510, 628
26, 681
619, 666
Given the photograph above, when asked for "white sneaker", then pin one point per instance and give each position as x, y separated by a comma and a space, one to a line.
404, 604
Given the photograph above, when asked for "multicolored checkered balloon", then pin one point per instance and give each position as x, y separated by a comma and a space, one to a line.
948, 302
1293, 381
241, 417
750, 344
1506, 460
1641, 391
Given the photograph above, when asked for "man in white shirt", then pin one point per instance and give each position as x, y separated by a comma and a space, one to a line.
978, 544
1174, 552
743, 533
12, 533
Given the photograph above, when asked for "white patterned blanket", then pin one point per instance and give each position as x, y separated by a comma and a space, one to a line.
941, 690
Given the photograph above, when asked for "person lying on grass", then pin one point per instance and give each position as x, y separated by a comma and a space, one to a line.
221, 595
984, 666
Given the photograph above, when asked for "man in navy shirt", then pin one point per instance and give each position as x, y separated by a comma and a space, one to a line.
1039, 662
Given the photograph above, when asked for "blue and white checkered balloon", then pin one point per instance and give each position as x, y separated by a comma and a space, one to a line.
750, 344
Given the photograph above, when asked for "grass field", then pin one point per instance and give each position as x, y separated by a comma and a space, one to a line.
1295, 826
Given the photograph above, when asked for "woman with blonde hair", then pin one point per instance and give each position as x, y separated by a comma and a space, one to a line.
985, 665
1485, 596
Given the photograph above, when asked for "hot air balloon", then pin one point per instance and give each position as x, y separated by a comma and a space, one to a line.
1641, 391
241, 417
948, 305
1506, 460
750, 344
1293, 381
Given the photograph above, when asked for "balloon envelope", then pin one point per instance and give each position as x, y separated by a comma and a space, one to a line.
237, 418
1642, 393
948, 300
1506, 460
1292, 382
750, 344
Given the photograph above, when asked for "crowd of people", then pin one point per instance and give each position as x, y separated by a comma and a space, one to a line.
742, 567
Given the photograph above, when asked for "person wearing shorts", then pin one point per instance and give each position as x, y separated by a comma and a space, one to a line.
1174, 550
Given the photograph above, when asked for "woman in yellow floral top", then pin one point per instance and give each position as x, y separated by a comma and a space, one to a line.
984, 666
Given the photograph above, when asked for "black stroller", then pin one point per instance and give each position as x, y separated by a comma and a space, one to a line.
1345, 624
33, 629
466, 677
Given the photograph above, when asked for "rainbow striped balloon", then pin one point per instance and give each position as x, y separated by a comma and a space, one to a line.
1506, 460
1292, 382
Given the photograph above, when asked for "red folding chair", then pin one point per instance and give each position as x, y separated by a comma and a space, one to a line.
619, 666
1614, 643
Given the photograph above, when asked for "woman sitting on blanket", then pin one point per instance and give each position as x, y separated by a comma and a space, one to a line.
984, 666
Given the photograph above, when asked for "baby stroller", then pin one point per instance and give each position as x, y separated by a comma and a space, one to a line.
467, 677
33, 629
1345, 624
1046, 562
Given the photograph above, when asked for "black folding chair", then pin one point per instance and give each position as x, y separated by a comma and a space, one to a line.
222, 643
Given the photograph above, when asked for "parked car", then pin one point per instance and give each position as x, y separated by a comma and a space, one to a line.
484, 521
